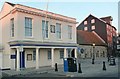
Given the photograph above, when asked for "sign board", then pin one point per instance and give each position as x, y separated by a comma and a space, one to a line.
13, 56
79, 50
118, 47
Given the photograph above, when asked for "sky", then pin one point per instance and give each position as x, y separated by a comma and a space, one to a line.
78, 9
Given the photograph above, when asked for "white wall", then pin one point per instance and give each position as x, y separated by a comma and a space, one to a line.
37, 29
12, 62
43, 58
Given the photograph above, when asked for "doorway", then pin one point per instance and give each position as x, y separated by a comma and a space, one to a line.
22, 59
72, 53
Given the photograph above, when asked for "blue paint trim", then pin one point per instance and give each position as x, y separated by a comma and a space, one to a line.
40, 45
22, 59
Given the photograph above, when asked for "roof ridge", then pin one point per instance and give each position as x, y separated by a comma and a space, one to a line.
12, 4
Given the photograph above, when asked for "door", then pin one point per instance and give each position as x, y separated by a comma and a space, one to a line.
22, 59
72, 53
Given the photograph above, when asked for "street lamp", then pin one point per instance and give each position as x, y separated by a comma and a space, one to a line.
93, 58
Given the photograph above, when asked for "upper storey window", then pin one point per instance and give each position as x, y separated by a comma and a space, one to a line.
58, 30
28, 26
12, 27
85, 22
85, 28
52, 28
93, 27
70, 32
93, 21
44, 29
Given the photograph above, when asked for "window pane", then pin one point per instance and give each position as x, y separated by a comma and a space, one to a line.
70, 32
52, 28
49, 54
61, 54
93, 21
12, 27
58, 30
85, 28
29, 57
28, 26
93, 27
85, 22
45, 29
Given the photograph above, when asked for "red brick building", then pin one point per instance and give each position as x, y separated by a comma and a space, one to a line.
102, 26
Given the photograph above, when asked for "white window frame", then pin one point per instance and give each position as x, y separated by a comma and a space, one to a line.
69, 32
29, 57
49, 55
85, 22
28, 27
61, 54
85, 28
93, 21
45, 29
93, 27
52, 28
58, 30
12, 27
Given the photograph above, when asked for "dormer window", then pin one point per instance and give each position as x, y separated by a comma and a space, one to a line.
93, 21
85, 22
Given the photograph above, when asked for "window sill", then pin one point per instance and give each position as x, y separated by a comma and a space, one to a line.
59, 39
29, 37
45, 38
12, 37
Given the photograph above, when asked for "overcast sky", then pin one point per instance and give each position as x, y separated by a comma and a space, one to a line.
78, 9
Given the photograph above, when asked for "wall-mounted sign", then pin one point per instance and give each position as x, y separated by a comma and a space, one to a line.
13, 57
82, 50
118, 47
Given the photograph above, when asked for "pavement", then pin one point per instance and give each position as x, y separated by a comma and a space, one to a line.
88, 70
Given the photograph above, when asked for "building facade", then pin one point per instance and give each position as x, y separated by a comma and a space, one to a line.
102, 26
33, 38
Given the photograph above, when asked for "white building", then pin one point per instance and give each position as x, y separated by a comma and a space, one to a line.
28, 41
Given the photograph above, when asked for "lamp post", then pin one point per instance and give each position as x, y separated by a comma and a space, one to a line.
93, 58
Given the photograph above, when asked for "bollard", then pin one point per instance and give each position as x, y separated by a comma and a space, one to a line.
92, 61
79, 71
104, 67
56, 69
108, 59
114, 62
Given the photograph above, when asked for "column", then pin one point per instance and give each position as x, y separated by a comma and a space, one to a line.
37, 58
18, 59
65, 53
75, 52
52, 50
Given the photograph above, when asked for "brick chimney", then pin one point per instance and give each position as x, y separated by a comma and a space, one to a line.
107, 19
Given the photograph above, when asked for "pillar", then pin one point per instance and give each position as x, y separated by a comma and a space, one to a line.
65, 53
18, 59
75, 52
37, 58
52, 50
